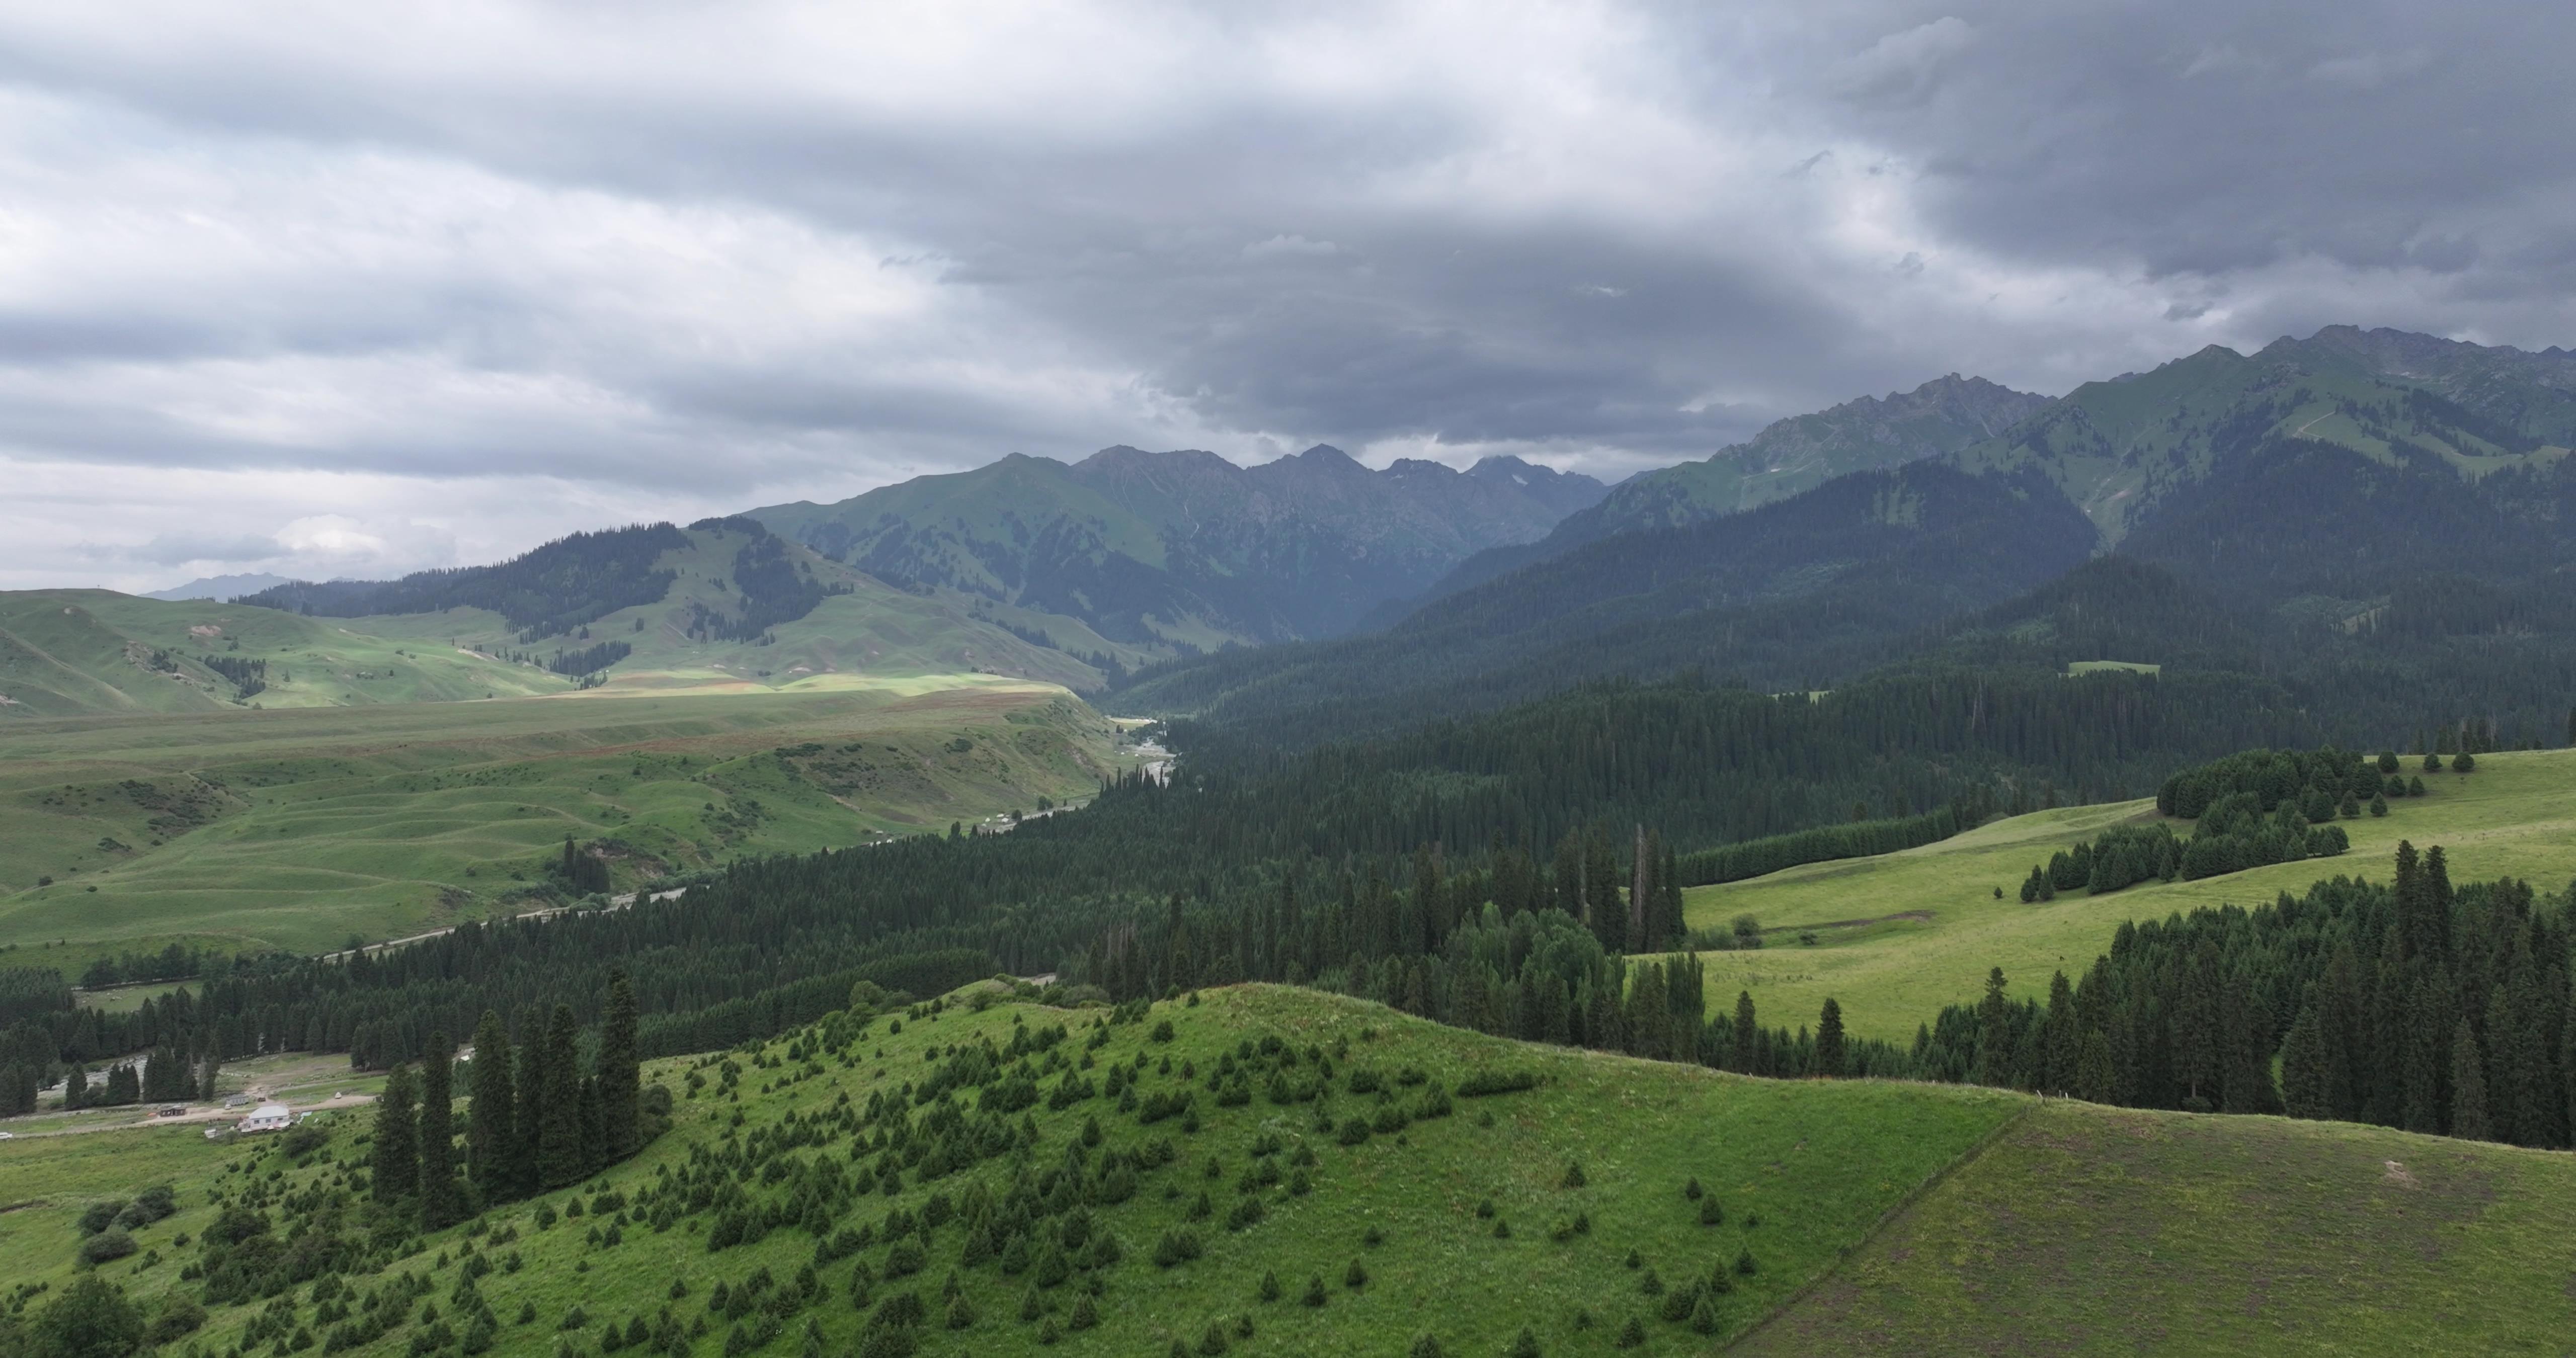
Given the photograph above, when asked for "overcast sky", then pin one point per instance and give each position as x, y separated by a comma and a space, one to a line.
356, 289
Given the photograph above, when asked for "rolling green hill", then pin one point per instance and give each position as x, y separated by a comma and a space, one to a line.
1901, 935
82, 651
297, 829
2087, 1230
1851, 1216
722, 603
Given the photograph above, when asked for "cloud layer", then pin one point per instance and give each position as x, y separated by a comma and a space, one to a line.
357, 289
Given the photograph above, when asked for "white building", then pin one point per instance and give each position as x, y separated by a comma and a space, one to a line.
268, 1117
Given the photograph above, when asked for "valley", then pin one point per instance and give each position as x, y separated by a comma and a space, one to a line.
1370, 983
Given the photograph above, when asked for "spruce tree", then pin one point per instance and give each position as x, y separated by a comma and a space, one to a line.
559, 1149
2303, 1067
528, 1120
1740, 1060
491, 1141
1829, 1039
396, 1163
440, 1203
2468, 1085
620, 1076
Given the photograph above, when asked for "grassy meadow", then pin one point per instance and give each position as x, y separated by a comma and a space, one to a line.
1804, 1172
2088, 1230
1900, 935
298, 829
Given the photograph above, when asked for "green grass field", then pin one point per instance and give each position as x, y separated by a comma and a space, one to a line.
297, 829
1816, 1164
2088, 1230
1903, 934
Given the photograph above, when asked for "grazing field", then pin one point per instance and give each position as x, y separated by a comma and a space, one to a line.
2088, 1230
1802, 1172
1902, 934
300, 829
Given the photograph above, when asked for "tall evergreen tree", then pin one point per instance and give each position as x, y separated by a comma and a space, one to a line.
1829, 1039
1994, 1033
440, 1202
1740, 1058
2468, 1085
2303, 1067
527, 1124
491, 1139
396, 1158
559, 1150
620, 1076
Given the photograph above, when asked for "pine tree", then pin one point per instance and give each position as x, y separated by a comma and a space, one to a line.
2468, 1085
527, 1123
2303, 1067
396, 1160
2096, 1078
1994, 1033
440, 1204
1829, 1039
559, 1149
620, 1077
1740, 1060
491, 1139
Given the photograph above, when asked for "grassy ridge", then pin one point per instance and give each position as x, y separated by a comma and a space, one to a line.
70, 651
2089, 1230
1938, 926
1818, 1164
297, 829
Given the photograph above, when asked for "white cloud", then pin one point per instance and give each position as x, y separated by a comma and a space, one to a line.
391, 287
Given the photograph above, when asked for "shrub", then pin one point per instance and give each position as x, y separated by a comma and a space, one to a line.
1484, 1082
1356, 1276
1314, 1290
1270, 1290
1632, 1334
1710, 1214
1424, 1346
112, 1243
100, 1216
1353, 1132
1176, 1247
1573, 1175
180, 1315
1526, 1346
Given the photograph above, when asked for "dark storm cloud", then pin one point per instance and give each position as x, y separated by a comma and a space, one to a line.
706, 255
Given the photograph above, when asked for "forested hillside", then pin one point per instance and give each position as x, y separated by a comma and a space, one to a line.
1795, 595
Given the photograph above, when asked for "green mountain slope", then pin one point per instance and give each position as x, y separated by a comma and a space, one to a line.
1788, 457
1900, 935
75, 651
1801, 588
1185, 549
1849, 1216
2088, 1230
296, 829
2120, 448
723, 602
1462, 1225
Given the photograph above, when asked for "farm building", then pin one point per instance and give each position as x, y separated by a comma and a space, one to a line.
268, 1117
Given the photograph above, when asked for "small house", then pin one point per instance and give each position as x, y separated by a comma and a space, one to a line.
268, 1117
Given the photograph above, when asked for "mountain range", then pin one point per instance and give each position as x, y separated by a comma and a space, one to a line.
1185, 549
2321, 489
2375, 507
